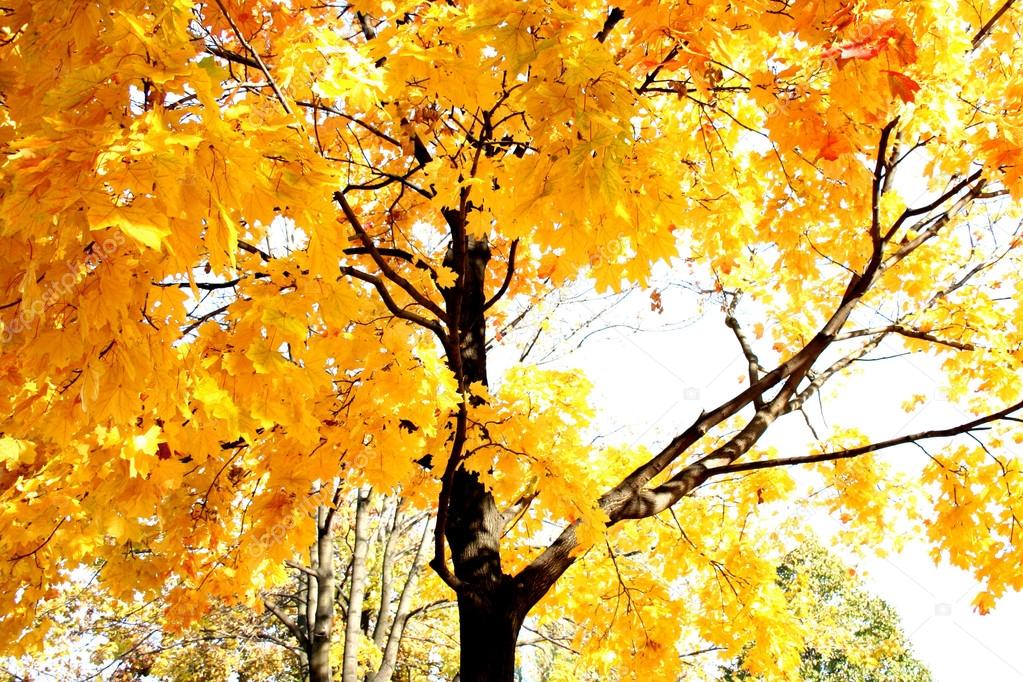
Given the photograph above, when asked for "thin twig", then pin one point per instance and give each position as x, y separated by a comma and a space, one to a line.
255, 56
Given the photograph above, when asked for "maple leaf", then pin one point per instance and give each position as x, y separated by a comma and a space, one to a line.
877, 32
835, 145
904, 87
867, 48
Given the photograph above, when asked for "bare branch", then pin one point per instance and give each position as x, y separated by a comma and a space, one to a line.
301, 568
319, 106
927, 208
908, 332
818, 379
752, 361
288, 623
961, 429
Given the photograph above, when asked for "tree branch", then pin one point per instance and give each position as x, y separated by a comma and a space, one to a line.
752, 361
511, 515
986, 28
205, 286
348, 117
224, 53
255, 56
818, 379
632, 499
613, 17
385, 268
873, 447
923, 210
288, 623
507, 278
878, 182
438, 563
46, 541
909, 332
299, 567
393, 307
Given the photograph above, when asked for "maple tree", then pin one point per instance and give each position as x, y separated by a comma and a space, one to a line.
251, 247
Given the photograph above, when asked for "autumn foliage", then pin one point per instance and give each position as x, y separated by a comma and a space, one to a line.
250, 247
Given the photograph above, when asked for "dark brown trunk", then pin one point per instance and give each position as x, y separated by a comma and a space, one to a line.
488, 630
489, 613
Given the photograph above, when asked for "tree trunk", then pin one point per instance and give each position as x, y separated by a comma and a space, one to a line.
386, 579
488, 630
353, 629
319, 660
401, 615
490, 615
320, 634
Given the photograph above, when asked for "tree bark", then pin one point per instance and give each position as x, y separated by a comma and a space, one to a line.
490, 612
401, 615
386, 567
353, 629
488, 631
322, 624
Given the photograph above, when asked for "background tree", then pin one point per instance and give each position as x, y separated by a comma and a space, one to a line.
374, 596
401, 632
850, 634
853, 636
251, 248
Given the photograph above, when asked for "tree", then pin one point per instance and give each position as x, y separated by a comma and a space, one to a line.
277, 641
251, 247
98, 638
852, 635
380, 593
858, 636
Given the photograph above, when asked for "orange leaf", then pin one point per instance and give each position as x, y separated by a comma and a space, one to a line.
904, 87
834, 146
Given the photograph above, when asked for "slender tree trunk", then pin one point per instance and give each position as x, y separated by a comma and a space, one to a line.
353, 629
323, 622
386, 568
401, 615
